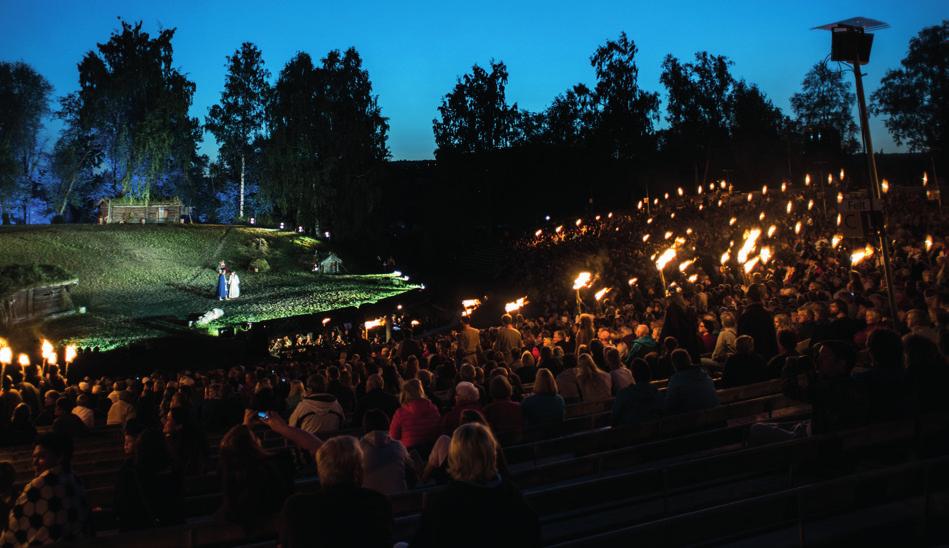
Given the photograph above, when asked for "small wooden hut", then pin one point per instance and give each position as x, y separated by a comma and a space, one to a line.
114, 211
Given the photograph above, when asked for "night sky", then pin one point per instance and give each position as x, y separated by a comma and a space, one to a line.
414, 51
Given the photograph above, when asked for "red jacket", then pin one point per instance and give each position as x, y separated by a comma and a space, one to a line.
416, 423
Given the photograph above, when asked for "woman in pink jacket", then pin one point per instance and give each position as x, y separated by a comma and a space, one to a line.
416, 423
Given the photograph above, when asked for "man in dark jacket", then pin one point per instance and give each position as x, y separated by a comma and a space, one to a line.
744, 366
376, 398
757, 322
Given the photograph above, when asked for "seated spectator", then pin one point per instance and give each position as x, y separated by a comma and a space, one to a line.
528, 369
838, 401
186, 442
255, 484
66, 423
567, 380
375, 398
20, 431
52, 507
416, 423
545, 405
7, 493
620, 375
927, 373
295, 396
47, 414
476, 497
387, 466
744, 366
725, 344
886, 383
467, 396
690, 388
787, 345
505, 416
84, 411
122, 409
319, 412
595, 384
643, 343
148, 491
341, 386
640, 401
342, 513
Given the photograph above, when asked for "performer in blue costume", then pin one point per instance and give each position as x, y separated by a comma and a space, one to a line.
221, 281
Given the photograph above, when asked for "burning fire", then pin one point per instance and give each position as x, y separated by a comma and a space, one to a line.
859, 255
599, 294
374, 323
666, 256
516, 305
584, 279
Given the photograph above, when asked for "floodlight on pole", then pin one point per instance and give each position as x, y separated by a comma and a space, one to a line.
851, 43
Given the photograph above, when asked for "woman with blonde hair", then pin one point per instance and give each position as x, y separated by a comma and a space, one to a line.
476, 496
545, 405
595, 384
416, 423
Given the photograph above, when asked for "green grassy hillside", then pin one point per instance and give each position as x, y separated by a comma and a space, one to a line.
132, 278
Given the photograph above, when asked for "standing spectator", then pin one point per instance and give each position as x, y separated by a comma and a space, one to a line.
416, 423
595, 384
505, 416
319, 412
585, 333
681, 322
545, 405
387, 466
342, 514
469, 342
476, 497
690, 388
186, 442
886, 382
52, 507
640, 401
508, 338
758, 323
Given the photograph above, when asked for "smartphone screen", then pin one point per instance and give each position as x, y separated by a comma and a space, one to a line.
263, 415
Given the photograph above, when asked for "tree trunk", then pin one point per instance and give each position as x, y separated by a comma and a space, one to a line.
240, 208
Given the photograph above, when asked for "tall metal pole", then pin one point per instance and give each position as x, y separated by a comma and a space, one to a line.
876, 194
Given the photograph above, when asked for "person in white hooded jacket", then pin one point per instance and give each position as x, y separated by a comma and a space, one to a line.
319, 412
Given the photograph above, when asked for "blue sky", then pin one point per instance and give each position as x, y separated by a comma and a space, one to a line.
414, 51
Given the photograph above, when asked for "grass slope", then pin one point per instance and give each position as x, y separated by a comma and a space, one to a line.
133, 278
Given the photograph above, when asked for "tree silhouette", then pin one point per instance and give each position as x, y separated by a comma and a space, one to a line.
24, 102
475, 116
134, 104
625, 113
239, 118
699, 107
914, 98
825, 101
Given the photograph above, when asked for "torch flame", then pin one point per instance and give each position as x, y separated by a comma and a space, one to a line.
578, 222
583, 280
750, 264
693, 278
765, 254
784, 187
326, 321
666, 256
632, 281
685, 264
859, 255
679, 191
516, 305
885, 186
790, 207
810, 205
925, 179
749, 244
771, 230
840, 197
797, 227
599, 294
668, 234
23, 360
764, 190
732, 221
538, 233
725, 257
374, 323
807, 179
835, 241
47, 349
928, 242
70, 354
6, 355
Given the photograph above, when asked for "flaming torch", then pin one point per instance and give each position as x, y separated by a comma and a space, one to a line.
928, 242
599, 294
6, 358
516, 305
470, 305
583, 279
661, 263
